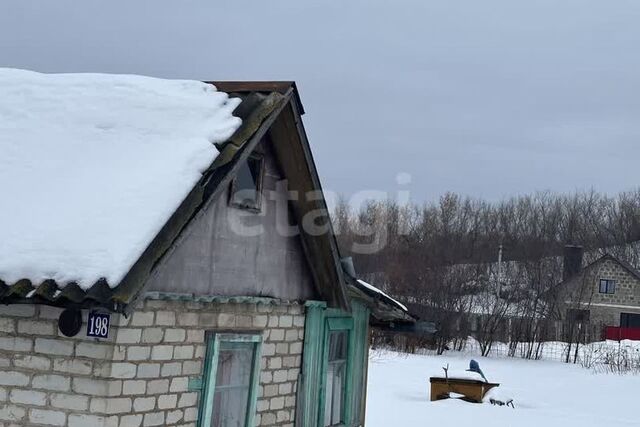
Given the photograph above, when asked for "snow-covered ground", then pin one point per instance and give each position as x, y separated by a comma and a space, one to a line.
546, 394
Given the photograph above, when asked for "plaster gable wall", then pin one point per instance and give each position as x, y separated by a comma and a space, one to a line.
213, 258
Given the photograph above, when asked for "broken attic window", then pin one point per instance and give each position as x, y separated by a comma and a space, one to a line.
246, 189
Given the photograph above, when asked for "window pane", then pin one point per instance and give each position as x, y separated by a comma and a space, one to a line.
338, 388
607, 286
233, 383
230, 408
603, 286
629, 320
338, 345
336, 378
334, 393
328, 395
246, 189
235, 360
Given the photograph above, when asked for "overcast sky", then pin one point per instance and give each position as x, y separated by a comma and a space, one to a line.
486, 98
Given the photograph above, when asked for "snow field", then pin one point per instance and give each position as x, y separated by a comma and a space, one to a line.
545, 393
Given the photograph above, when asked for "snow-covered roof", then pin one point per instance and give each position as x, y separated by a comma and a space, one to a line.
93, 165
382, 294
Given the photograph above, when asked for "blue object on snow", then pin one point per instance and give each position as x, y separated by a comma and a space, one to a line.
475, 367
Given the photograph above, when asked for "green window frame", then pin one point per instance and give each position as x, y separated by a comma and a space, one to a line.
320, 322
333, 327
217, 342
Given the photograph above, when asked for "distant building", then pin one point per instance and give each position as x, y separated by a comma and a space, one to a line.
606, 292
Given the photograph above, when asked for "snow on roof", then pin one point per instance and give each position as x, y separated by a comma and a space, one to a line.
378, 291
93, 165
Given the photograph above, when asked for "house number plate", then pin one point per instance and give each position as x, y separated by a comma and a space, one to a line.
98, 324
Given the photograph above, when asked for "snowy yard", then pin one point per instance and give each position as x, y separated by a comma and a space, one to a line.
546, 394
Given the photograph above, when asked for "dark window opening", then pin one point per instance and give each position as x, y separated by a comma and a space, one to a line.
246, 188
629, 320
607, 286
578, 315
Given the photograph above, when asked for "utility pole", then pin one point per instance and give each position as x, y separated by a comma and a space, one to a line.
500, 270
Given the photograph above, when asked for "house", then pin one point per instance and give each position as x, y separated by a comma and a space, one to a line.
148, 278
605, 292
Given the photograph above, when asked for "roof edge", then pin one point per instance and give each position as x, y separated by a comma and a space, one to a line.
279, 86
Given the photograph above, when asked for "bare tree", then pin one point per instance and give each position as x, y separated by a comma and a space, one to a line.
439, 257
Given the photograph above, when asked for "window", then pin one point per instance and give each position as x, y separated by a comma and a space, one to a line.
607, 286
578, 315
335, 391
336, 378
333, 377
246, 188
629, 320
230, 382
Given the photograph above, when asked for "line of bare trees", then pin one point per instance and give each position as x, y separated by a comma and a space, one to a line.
442, 258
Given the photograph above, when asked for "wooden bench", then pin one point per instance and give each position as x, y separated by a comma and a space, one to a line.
472, 390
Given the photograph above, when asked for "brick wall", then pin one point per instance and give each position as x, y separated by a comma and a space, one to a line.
604, 308
140, 375
627, 286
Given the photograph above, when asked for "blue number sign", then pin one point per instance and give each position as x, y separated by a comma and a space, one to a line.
98, 325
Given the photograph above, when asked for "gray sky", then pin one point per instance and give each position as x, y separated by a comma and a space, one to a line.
487, 98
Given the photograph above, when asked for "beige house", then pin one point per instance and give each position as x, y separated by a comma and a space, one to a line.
201, 321
605, 292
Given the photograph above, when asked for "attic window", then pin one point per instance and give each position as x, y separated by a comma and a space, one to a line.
607, 286
246, 188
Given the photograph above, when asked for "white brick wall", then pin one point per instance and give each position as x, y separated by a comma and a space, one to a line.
140, 375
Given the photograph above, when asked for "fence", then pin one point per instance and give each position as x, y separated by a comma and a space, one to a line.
618, 334
513, 337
